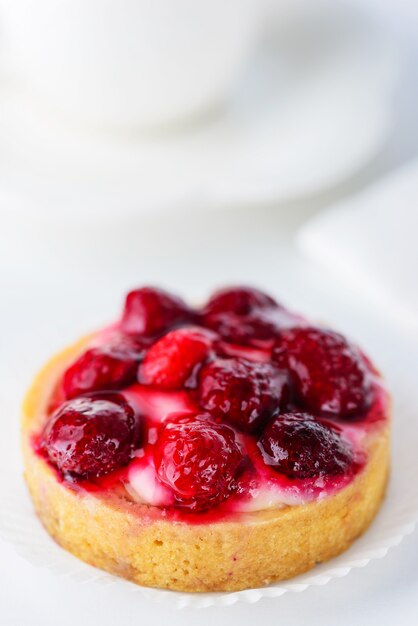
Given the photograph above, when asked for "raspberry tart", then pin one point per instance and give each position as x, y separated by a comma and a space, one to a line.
208, 449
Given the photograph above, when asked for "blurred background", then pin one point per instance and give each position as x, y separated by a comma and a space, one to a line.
193, 144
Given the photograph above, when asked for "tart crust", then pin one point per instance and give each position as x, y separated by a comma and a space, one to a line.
137, 542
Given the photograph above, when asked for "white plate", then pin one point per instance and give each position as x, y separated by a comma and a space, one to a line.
312, 109
396, 519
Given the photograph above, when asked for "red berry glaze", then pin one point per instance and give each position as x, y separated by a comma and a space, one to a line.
110, 367
150, 311
245, 315
329, 375
297, 445
173, 360
92, 435
198, 460
243, 393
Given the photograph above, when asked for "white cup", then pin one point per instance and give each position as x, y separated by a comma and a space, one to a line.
129, 62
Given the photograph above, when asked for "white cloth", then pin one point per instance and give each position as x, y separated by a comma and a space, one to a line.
371, 242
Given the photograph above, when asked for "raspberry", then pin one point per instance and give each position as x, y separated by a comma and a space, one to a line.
239, 300
133, 345
107, 367
92, 435
244, 393
244, 315
198, 460
329, 375
171, 361
297, 445
150, 311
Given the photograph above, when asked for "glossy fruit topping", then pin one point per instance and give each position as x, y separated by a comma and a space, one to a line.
329, 375
150, 311
108, 367
240, 398
92, 435
198, 460
243, 393
299, 446
172, 361
245, 315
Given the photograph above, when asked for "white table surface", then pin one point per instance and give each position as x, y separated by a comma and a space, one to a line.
45, 306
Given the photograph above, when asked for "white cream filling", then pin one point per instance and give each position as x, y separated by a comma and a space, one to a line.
144, 486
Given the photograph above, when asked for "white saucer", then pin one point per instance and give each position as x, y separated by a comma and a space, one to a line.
312, 109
